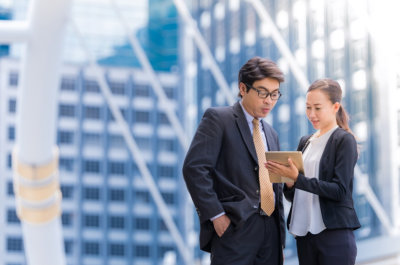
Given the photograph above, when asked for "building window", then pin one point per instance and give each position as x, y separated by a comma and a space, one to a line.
143, 143
92, 139
67, 191
142, 223
11, 133
10, 189
91, 248
142, 251
116, 168
167, 145
142, 91
92, 194
9, 161
169, 92
68, 246
168, 197
117, 222
65, 137
117, 195
68, 83
162, 226
12, 105
66, 164
142, 197
162, 250
166, 171
91, 220
66, 110
91, 166
13, 79
92, 113
66, 219
163, 119
14, 244
12, 217
117, 141
142, 116
117, 88
91, 86
116, 249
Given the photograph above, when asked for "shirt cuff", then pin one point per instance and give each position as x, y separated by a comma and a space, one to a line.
218, 215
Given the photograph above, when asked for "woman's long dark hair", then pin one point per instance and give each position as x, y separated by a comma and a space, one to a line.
332, 89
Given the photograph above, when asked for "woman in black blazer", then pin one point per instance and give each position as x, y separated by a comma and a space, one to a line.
322, 216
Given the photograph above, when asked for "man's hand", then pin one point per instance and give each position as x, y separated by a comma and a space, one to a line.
221, 224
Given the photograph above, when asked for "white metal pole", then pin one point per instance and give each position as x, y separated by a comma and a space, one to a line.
35, 159
13, 31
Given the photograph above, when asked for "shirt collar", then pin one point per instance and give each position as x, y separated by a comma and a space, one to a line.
249, 117
325, 135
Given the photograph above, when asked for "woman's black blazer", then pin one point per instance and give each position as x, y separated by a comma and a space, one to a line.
335, 184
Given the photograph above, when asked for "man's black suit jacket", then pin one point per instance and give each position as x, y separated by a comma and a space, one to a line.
335, 183
221, 171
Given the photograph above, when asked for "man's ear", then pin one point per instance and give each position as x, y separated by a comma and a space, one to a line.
242, 88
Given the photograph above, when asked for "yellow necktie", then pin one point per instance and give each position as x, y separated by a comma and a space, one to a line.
267, 193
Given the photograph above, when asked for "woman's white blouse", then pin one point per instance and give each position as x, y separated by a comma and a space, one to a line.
306, 212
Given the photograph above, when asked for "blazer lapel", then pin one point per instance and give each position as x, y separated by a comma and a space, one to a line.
244, 130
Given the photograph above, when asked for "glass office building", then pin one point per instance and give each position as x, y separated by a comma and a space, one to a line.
326, 39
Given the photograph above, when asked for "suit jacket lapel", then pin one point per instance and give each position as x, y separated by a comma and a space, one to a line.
244, 130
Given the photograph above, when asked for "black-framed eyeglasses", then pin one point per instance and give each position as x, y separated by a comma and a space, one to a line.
275, 95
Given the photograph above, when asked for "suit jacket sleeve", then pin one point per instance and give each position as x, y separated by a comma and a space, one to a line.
199, 164
339, 185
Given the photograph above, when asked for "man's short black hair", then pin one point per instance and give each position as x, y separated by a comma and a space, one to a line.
258, 68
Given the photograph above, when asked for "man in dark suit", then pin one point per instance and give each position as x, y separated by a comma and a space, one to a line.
222, 173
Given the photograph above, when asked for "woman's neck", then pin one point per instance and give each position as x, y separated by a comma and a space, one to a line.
326, 129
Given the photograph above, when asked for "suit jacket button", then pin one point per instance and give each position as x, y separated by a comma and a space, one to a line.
256, 168
257, 191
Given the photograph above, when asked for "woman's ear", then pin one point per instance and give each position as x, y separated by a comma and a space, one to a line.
336, 106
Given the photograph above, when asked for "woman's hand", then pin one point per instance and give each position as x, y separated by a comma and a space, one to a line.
289, 171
